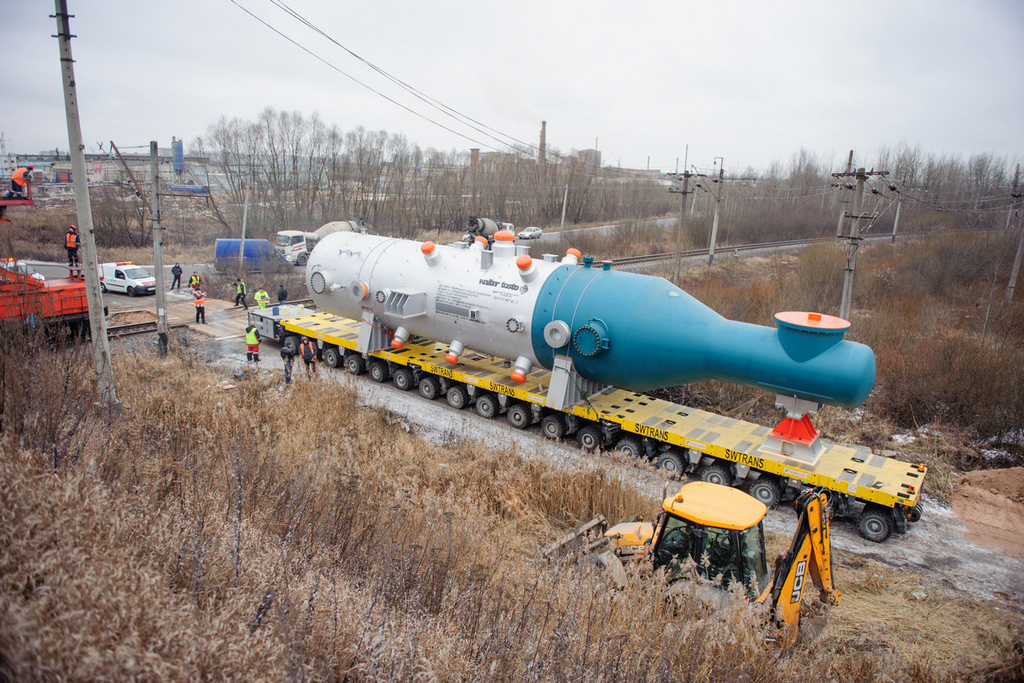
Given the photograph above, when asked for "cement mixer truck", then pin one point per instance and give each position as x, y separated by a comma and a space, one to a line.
295, 245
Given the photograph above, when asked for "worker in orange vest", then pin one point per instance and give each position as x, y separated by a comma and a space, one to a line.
308, 354
200, 300
71, 243
20, 180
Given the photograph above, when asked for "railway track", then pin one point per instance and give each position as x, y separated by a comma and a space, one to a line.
129, 329
652, 258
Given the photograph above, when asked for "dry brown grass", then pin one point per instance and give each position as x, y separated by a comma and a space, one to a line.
260, 534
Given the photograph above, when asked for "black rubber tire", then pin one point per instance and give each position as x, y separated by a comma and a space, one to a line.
292, 341
589, 438
914, 514
519, 414
875, 523
716, 473
671, 463
103, 288
767, 490
332, 356
301, 261
355, 364
631, 446
430, 387
458, 396
130, 291
403, 379
378, 371
553, 426
488, 405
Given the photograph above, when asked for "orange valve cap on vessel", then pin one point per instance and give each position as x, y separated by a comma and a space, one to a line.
518, 377
430, 253
524, 262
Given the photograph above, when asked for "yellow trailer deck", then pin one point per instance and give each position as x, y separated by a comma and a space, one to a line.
694, 436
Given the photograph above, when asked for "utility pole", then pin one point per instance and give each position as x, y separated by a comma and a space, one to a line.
682, 216
899, 205
107, 395
565, 200
1014, 195
856, 235
241, 244
718, 201
158, 250
842, 214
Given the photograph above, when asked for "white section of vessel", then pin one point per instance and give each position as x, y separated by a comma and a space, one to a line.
476, 297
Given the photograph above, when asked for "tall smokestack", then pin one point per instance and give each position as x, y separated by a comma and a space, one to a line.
543, 142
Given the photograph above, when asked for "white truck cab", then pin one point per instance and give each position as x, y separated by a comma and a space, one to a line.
126, 277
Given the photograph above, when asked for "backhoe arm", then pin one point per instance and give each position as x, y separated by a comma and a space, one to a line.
810, 551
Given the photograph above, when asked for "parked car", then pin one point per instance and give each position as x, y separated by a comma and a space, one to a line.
126, 277
530, 233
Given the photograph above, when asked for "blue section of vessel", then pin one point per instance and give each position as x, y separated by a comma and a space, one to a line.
640, 332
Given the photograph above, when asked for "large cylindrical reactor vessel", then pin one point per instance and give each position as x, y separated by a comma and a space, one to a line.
629, 330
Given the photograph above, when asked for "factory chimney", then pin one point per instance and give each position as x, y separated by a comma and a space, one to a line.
543, 142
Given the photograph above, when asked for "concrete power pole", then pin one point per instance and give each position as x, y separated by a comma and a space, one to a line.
107, 395
679, 227
158, 249
1015, 194
842, 214
853, 239
718, 203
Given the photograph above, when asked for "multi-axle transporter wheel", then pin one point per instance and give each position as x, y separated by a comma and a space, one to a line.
631, 447
716, 473
403, 379
458, 396
519, 414
488, 405
876, 523
379, 371
671, 464
767, 490
332, 356
354, 363
914, 514
553, 426
589, 438
430, 387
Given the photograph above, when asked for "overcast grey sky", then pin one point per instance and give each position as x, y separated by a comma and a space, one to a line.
752, 82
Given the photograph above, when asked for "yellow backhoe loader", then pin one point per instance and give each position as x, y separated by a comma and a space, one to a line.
717, 533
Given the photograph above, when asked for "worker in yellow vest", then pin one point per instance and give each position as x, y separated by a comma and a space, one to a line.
240, 293
200, 300
252, 341
262, 298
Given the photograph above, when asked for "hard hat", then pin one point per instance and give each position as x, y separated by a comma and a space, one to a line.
73, 227
30, 166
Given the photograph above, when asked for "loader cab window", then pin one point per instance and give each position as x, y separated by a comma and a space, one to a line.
755, 560
736, 556
675, 545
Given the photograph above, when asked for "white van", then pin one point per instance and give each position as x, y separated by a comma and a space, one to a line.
126, 277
